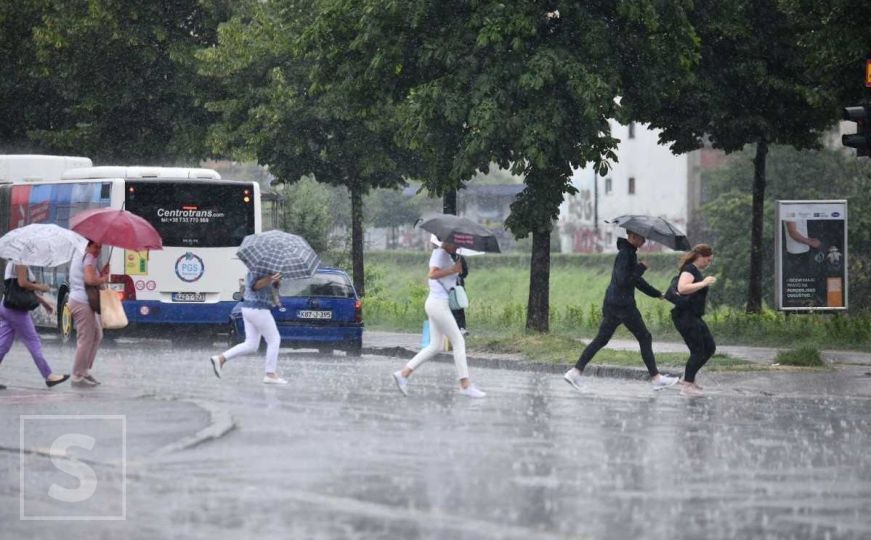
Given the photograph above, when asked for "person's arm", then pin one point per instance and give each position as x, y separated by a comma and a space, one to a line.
685, 283
24, 280
92, 278
438, 273
647, 288
21, 274
266, 281
792, 230
626, 275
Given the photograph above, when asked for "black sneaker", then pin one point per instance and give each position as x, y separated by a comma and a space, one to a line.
58, 381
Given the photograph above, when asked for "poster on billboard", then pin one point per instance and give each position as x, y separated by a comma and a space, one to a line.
811, 255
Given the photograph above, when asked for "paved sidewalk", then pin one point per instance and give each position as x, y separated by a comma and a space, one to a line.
397, 342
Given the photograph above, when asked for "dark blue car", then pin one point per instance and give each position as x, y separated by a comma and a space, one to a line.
321, 312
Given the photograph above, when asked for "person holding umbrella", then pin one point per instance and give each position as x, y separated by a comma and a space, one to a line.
687, 315
18, 323
89, 329
37, 244
257, 303
443, 273
100, 226
269, 256
619, 308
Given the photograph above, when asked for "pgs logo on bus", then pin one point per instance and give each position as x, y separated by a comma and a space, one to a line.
189, 267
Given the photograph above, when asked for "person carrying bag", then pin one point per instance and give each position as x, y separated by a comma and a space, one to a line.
15, 319
86, 307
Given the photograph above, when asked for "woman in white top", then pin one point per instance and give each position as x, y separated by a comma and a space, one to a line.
89, 330
443, 273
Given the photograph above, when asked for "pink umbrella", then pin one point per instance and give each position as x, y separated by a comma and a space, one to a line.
118, 228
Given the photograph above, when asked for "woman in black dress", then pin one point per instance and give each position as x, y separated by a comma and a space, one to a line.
687, 314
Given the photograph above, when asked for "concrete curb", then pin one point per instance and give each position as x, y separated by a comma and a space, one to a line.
615, 372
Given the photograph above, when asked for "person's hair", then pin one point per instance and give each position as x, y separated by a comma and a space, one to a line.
699, 250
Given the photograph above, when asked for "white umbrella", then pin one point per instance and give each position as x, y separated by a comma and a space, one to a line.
465, 252
41, 244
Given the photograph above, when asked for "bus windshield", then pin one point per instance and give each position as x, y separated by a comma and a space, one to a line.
194, 213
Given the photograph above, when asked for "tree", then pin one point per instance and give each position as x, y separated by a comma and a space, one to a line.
112, 80
752, 86
25, 98
524, 85
307, 212
390, 208
269, 110
792, 174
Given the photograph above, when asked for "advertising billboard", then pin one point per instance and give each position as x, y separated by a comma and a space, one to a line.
811, 255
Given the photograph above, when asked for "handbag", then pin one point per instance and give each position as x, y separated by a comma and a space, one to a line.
93, 292
457, 298
671, 294
17, 297
112, 316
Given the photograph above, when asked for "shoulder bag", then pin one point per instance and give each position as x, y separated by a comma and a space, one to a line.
18, 298
457, 298
671, 294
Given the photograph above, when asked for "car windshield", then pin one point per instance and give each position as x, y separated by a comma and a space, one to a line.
335, 285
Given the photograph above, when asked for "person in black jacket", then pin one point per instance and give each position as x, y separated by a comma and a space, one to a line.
687, 314
619, 308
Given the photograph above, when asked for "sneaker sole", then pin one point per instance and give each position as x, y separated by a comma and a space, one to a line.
215, 368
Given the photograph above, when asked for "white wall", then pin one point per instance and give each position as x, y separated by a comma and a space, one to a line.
662, 188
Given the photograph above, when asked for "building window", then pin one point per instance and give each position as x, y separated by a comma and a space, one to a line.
608, 186
631, 130
631, 185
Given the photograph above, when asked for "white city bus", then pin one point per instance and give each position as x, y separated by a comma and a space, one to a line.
201, 218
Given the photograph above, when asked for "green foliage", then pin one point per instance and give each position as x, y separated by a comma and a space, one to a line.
118, 79
802, 356
307, 212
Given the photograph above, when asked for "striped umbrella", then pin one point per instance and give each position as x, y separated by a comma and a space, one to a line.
276, 251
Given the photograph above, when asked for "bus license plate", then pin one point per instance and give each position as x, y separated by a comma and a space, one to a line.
188, 297
314, 314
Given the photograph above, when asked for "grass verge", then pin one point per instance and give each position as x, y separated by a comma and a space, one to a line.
801, 357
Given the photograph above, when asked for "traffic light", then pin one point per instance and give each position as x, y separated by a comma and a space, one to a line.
861, 140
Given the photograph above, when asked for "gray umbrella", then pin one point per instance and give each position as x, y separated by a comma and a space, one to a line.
461, 232
278, 252
656, 229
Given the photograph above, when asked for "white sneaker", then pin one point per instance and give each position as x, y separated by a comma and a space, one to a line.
216, 365
401, 382
472, 391
274, 380
664, 381
573, 377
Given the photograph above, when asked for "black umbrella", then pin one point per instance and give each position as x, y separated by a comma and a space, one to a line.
461, 232
656, 229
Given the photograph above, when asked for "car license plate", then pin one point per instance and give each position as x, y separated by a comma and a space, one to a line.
314, 314
188, 297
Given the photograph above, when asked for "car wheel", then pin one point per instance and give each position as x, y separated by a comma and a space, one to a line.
66, 325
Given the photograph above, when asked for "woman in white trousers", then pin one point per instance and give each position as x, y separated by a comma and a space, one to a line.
443, 273
259, 297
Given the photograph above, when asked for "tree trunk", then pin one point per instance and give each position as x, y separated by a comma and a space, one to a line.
754, 293
538, 306
449, 202
357, 236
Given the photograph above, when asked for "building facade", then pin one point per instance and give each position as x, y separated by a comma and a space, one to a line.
647, 178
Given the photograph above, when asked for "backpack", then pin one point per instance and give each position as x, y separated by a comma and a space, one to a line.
671, 294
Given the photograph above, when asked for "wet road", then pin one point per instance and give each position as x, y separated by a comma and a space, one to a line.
339, 453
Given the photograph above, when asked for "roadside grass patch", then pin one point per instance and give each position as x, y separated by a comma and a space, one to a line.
801, 357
